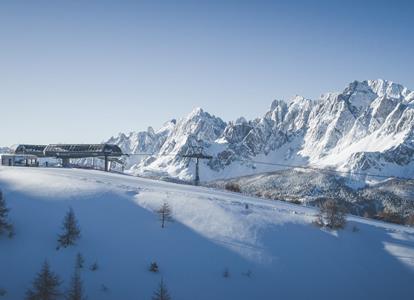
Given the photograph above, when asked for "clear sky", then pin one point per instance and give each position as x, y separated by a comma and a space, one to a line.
82, 71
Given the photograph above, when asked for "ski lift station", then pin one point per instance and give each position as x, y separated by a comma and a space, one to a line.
19, 160
28, 155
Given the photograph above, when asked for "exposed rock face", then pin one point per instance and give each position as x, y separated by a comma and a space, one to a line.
366, 128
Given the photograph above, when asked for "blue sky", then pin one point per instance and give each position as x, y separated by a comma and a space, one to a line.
82, 71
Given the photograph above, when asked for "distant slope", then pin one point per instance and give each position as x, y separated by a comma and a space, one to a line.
288, 257
311, 187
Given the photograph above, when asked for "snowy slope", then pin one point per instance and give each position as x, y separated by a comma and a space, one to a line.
368, 128
289, 258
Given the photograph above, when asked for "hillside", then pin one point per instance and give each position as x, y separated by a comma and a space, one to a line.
310, 187
287, 256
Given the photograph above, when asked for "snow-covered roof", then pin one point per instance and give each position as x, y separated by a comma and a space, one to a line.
82, 150
69, 150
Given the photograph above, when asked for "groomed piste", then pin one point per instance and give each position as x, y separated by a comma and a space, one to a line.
268, 249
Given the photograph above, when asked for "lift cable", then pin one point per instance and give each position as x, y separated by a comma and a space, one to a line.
309, 167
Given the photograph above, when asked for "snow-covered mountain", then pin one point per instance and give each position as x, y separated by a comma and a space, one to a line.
149, 141
366, 128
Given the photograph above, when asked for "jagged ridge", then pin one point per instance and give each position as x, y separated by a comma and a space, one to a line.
368, 127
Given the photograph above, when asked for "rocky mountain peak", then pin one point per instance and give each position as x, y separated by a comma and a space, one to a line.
348, 130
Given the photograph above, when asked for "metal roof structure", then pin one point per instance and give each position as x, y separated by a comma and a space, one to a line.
108, 152
82, 150
69, 150
29, 149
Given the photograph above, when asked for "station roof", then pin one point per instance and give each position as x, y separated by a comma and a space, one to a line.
70, 150
28, 149
18, 155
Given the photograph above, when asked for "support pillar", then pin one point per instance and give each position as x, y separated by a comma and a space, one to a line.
197, 176
106, 164
66, 162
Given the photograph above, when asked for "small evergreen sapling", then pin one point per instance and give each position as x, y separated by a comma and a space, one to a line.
165, 214
161, 293
45, 285
153, 267
94, 267
71, 230
79, 261
226, 273
248, 273
5, 226
3, 292
104, 288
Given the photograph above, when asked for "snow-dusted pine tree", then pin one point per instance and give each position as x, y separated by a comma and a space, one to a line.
71, 230
331, 215
161, 293
5, 226
165, 214
45, 285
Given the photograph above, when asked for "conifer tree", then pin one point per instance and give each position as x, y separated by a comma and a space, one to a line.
161, 293
3, 292
71, 230
79, 261
104, 288
94, 266
5, 226
331, 215
76, 291
153, 267
226, 273
165, 214
45, 285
